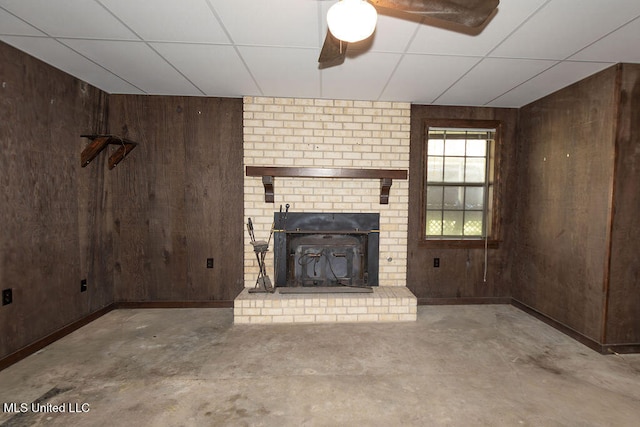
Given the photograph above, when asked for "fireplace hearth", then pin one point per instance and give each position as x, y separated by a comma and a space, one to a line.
326, 249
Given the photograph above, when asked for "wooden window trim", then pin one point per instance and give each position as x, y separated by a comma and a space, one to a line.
495, 208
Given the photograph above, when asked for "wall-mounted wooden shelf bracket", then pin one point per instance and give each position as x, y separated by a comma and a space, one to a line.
268, 173
99, 143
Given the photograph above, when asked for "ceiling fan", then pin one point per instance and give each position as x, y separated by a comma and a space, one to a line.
354, 20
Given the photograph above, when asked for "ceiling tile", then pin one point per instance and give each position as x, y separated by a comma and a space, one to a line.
136, 63
422, 78
491, 78
216, 70
291, 71
169, 20
58, 55
619, 46
10, 25
563, 27
268, 23
436, 37
70, 18
362, 77
549, 81
394, 31
270, 47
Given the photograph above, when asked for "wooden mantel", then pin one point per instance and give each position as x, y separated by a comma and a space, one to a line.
268, 173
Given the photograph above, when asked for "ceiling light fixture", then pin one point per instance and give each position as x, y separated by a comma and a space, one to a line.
352, 20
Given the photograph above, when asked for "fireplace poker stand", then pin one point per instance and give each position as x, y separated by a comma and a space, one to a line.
260, 247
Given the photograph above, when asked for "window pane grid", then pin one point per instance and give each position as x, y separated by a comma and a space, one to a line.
457, 168
455, 224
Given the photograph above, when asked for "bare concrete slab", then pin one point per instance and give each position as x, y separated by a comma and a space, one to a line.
489, 365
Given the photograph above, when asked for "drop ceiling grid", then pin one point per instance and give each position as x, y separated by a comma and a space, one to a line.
52, 52
442, 40
217, 70
359, 78
136, 63
560, 75
257, 47
291, 71
291, 23
169, 20
393, 34
70, 19
420, 78
492, 76
545, 35
12, 25
618, 46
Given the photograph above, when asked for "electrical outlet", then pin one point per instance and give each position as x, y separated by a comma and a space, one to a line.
209, 262
7, 296
436, 262
83, 285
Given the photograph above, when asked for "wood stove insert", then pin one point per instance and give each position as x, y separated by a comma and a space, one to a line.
326, 249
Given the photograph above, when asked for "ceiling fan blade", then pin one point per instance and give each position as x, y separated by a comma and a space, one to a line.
470, 13
333, 50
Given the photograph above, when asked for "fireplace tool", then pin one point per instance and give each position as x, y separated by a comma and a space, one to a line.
260, 247
282, 225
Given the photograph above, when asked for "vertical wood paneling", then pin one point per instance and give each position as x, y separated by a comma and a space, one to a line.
43, 112
461, 271
214, 198
566, 166
178, 198
95, 217
623, 314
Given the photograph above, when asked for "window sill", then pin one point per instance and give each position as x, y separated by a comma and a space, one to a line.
458, 244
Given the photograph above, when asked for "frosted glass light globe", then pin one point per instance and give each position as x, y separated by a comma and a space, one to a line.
352, 20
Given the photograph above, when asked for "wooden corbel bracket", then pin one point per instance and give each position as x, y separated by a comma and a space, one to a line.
385, 186
268, 173
267, 181
99, 143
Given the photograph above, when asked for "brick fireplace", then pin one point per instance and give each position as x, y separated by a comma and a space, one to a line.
320, 133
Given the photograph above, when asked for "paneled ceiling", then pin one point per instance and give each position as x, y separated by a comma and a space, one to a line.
235, 48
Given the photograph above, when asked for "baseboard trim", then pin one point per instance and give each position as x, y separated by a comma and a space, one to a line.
464, 301
173, 304
630, 348
30, 349
581, 338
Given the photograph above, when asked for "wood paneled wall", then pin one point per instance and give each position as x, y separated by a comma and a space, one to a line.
623, 307
177, 199
52, 211
141, 232
460, 276
566, 172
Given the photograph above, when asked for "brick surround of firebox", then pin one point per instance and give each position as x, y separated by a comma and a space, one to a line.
322, 133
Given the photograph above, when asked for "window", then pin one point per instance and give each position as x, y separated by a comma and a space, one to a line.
458, 189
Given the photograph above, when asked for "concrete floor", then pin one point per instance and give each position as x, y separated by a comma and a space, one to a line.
456, 366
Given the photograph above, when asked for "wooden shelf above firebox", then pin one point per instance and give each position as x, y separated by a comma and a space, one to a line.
268, 173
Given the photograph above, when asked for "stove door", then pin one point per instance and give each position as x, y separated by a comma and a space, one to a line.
327, 260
